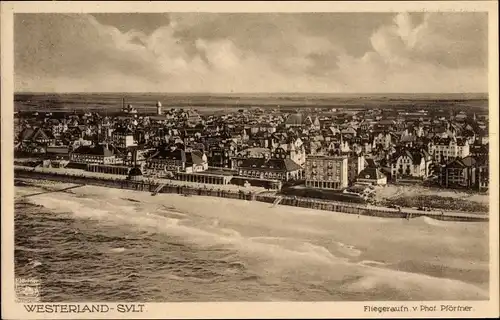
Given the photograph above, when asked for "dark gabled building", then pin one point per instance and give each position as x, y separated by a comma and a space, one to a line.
460, 173
221, 157
196, 161
293, 120
268, 168
57, 152
372, 175
36, 135
167, 160
99, 154
177, 160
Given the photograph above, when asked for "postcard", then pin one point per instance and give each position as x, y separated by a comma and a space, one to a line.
249, 159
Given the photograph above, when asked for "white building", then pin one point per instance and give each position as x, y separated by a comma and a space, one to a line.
444, 150
383, 139
411, 163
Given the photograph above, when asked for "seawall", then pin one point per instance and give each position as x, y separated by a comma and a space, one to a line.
141, 185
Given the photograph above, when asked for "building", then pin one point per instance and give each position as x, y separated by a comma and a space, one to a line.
257, 152
177, 160
293, 121
483, 173
445, 149
167, 160
135, 156
205, 177
196, 161
326, 172
410, 163
294, 150
382, 138
193, 118
99, 154
123, 138
373, 176
221, 157
109, 169
36, 135
266, 168
58, 129
467, 172
356, 163
312, 124
57, 152
459, 173
479, 150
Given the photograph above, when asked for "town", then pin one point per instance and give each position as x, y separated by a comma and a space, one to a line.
308, 151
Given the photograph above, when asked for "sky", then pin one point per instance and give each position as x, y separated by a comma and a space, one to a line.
251, 52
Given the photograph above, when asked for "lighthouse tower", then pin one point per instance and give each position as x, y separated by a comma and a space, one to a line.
158, 108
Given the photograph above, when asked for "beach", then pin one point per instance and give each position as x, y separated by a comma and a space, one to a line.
101, 244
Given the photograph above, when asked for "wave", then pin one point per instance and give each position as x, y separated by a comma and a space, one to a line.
36, 263
434, 222
26, 249
457, 270
430, 222
317, 258
76, 280
288, 248
133, 275
371, 263
239, 265
174, 277
348, 250
190, 230
226, 232
416, 286
190, 279
252, 277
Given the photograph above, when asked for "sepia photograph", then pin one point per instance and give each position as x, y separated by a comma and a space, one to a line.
207, 156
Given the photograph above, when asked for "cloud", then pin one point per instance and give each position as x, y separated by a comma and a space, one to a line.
190, 52
454, 40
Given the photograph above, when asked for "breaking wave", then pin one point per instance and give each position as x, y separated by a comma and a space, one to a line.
209, 247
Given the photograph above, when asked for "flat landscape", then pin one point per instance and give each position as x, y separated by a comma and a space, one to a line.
145, 102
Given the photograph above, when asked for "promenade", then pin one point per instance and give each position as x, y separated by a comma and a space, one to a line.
235, 192
107, 176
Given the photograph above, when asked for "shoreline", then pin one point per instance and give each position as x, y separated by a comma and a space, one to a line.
156, 187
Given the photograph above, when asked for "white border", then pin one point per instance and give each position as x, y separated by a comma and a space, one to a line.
239, 310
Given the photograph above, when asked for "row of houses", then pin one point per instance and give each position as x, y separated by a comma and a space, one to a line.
326, 149
325, 171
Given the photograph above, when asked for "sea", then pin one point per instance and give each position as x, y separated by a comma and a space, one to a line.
101, 244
